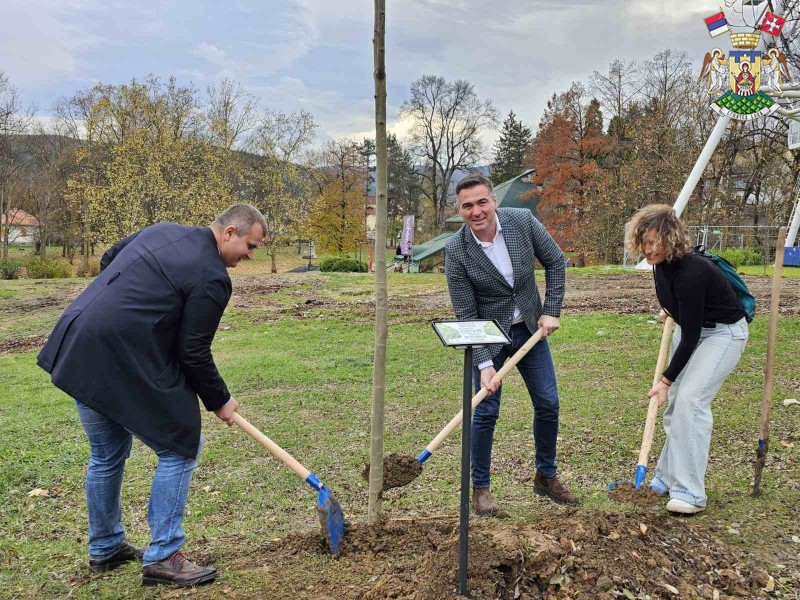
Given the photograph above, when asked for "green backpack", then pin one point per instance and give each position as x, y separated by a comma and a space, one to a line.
746, 298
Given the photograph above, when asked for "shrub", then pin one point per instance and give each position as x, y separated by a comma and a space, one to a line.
41, 267
342, 264
93, 270
10, 268
742, 256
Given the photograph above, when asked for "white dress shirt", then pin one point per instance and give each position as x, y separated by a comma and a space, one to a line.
497, 252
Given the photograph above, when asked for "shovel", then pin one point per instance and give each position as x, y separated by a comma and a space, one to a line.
652, 412
772, 332
328, 508
401, 469
478, 398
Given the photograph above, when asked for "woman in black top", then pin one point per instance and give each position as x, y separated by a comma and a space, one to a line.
710, 336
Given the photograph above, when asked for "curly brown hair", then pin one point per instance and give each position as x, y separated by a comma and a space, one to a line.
671, 234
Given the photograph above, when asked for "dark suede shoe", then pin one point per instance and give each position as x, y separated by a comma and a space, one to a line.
552, 488
177, 570
483, 503
125, 553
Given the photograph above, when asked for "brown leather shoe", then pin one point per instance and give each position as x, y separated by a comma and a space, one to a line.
125, 553
177, 570
552, 488
483, 503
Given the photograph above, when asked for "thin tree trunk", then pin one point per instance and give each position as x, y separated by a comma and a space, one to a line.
86, 235
381, 292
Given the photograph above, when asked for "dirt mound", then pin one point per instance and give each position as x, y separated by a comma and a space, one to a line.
398, 470
576, 554
626, 492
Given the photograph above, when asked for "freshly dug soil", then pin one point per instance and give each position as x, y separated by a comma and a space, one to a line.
572, 555
398, 470
626, 492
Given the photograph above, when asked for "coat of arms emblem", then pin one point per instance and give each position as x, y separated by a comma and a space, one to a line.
740, 75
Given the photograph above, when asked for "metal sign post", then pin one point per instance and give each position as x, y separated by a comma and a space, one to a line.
467, 336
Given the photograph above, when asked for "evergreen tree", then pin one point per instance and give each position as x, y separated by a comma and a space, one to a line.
510, 150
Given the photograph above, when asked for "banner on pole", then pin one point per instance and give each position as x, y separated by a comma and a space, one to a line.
407, 235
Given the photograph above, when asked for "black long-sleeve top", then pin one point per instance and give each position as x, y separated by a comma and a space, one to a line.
694, 291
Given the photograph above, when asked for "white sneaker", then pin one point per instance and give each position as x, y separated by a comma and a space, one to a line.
681, 506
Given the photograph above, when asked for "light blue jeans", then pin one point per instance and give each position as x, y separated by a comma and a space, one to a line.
681, 468
110, 446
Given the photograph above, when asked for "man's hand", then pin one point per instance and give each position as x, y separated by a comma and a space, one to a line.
548, 324
662, 315
225, 413
661, 390
486, 379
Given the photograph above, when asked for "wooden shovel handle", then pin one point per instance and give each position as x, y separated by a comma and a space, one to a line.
774, 306
652, 407
478, 398
276, 451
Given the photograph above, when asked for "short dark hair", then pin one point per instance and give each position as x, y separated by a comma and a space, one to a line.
243, 217
473, 180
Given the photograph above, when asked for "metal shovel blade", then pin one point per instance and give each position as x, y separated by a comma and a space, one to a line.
331, 519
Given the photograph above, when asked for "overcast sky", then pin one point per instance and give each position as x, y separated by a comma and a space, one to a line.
317, 54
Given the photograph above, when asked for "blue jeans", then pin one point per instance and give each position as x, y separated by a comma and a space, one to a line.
539, 376
110, 446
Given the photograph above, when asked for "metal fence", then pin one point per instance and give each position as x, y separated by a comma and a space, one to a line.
756, 242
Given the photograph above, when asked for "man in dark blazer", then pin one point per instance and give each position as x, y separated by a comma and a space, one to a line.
489, 267
134, 351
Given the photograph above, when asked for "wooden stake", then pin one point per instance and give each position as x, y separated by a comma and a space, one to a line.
766, 400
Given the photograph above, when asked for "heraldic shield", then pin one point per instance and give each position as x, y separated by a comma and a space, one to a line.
744, 69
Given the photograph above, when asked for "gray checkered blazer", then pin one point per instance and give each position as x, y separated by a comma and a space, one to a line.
479, 291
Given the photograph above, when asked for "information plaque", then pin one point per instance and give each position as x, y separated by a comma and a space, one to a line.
459, 334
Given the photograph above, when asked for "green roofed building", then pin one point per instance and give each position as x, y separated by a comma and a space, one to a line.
518, 192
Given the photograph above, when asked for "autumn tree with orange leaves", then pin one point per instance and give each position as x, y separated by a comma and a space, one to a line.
566, 151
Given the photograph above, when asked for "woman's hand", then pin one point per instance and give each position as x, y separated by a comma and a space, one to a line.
661, 390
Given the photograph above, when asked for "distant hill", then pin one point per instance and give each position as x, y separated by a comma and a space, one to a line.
457, 176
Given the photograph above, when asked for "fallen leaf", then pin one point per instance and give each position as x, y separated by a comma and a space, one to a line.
613, 535
636, 555
796, 539
557, 580
733, 531
790, 401
628, 594
671, 588
516, 592
206, 488
39, 492
643, 527
716, 595
770, 587
787, 444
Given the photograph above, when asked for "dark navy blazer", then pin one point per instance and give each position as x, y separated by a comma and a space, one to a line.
135, 346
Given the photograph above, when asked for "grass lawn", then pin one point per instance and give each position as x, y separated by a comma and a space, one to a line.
305, 379
787, 273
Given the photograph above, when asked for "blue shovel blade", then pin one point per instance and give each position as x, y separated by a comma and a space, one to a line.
331, 519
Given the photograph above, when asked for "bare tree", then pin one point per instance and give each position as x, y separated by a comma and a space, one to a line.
447, 121
278, 184
381, 291
15, 120
230, 114
664, 78
616, 91
52, 162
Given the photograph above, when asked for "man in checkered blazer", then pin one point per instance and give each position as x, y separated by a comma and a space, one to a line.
489, 267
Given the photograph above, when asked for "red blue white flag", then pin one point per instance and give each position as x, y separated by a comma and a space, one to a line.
717, 24
772, 24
